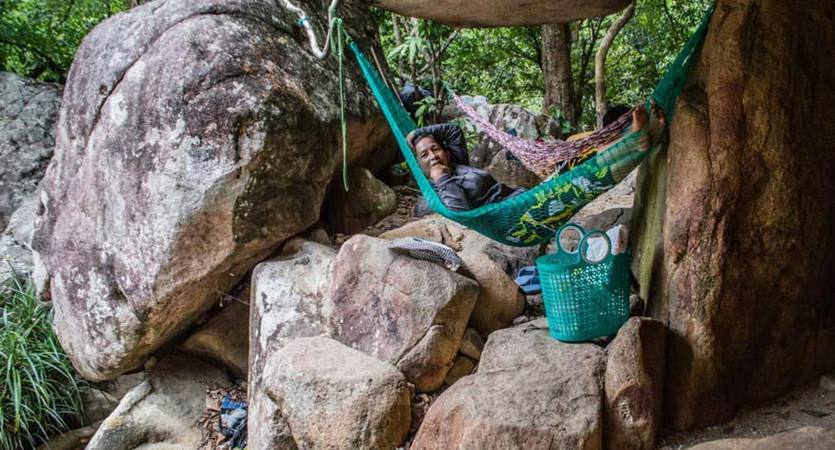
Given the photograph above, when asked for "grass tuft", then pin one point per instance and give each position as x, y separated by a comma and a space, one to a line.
39, 393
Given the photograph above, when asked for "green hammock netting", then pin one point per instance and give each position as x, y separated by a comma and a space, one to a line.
533, 217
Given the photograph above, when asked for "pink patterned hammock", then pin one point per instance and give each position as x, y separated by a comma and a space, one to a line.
543, 157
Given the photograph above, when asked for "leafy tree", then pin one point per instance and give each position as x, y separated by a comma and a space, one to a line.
38, 38
505, 64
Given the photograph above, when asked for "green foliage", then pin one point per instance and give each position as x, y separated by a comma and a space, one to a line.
38, 38
504, 64
426, 106
40, 390
644, 48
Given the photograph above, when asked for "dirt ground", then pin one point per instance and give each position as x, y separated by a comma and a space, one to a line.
809, 405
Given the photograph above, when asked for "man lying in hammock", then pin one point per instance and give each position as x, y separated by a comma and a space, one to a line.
441, 152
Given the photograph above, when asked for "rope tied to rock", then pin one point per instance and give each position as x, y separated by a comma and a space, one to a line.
304, 21
337, 46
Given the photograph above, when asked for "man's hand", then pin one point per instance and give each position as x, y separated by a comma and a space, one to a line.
437, 171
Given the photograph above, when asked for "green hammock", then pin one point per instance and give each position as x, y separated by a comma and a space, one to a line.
534, 216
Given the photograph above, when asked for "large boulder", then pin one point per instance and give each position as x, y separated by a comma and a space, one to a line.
194, 138
288, 299
634, 385
501, 301
408, 312
492, 264
28, 111
734, 221
501, 13
164, 410
529, 392
331, 397
367, 201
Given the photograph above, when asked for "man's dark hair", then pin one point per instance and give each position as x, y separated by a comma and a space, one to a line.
419, 134
614, 113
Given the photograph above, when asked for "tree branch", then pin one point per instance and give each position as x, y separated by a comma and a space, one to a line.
673, 22
600, 61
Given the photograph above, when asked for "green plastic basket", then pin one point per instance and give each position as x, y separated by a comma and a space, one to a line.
585, 297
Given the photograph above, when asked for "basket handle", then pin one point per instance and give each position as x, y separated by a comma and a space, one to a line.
568, 227
584, 246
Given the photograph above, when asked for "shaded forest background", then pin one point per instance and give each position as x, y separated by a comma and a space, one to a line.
38, 39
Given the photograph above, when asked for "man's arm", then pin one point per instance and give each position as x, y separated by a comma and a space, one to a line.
452, 194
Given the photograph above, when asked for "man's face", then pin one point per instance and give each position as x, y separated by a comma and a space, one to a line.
430, 154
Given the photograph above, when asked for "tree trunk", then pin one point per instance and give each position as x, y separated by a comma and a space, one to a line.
556, 70
734, 247
398, 41
601, 105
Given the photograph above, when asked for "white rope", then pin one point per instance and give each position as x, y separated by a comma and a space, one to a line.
304, 21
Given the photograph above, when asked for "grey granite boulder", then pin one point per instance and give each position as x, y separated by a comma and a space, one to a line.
288, 299
408, 312
530, 392
28, 111
329, 396
194, 138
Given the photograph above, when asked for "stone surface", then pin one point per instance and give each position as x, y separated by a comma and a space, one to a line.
121, 385
610, 209
459, 238
329, 396
288, 299
71, 440
367, 201
320, 236
806, 438
529, 392
493, 265
28, 111
163, 411
828, 382
634, 384
194, 138
223, 340
408, 312
500, 13
97, 405
734, 222
14, 258
22, 221
500, 300
472, 344
461, 367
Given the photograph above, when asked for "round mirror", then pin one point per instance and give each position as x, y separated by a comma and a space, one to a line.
595, 247
569, 238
